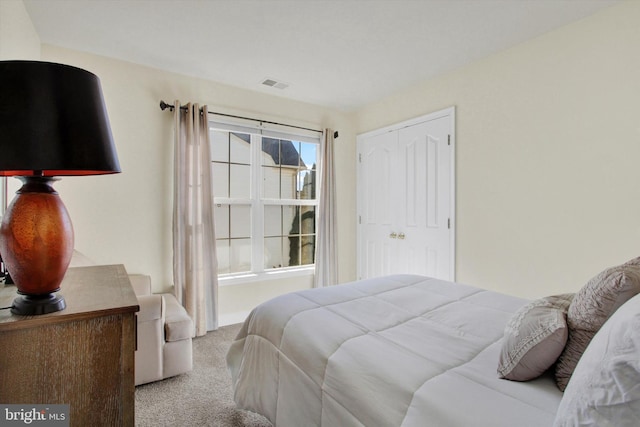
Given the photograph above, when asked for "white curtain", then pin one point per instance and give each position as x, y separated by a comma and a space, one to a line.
194, 250
326, 270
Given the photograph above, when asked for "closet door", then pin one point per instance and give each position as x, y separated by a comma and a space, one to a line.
379, 198
405, 199
423, 214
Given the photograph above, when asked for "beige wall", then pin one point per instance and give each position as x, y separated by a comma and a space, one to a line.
18, 37
548, 145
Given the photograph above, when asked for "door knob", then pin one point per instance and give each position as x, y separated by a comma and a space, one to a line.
393, 235
401, 236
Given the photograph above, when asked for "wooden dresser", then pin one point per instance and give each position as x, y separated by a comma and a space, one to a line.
82, 356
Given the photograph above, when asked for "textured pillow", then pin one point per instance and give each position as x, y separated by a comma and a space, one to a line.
534, 338
604, 390
591, 307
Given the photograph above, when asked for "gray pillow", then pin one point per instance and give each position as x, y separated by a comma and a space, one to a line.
534, 338
591, 307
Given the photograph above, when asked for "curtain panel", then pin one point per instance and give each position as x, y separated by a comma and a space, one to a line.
194, 250
326, 262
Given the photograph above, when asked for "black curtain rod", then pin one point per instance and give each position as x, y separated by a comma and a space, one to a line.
164, 106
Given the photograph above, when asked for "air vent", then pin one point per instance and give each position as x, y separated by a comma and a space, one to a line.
274, 83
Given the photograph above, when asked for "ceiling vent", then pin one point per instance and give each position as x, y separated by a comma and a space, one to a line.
274, 83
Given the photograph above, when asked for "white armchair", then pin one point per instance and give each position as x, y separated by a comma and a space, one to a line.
164, 334
164, 330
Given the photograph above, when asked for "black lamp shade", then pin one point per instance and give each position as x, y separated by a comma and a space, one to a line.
53, 121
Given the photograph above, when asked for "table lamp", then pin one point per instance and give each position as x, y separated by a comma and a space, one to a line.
53, 122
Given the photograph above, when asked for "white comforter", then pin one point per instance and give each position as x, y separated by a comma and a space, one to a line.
393, 351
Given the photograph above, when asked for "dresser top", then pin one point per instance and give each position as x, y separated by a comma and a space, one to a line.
88, 292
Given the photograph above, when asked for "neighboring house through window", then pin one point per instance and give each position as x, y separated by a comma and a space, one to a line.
264, 186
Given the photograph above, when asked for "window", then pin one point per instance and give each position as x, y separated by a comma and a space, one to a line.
264, 187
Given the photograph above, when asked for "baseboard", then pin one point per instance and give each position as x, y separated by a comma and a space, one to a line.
232, 318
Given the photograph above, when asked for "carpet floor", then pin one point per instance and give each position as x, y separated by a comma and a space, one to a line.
202, 397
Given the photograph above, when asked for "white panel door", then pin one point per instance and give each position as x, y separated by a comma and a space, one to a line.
405, 200
422, 219
378, 169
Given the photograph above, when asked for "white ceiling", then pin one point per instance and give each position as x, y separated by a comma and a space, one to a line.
340, 54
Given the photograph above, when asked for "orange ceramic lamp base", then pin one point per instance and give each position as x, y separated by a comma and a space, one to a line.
36, 243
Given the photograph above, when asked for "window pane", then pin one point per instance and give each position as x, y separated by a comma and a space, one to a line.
307, 184
273, 252
240, 185
271, 182
292, 251
221, 217
220, 176
270, 151
219, 146
272, 221
288, 185
290, 220
307, 250
222, 249
240, 221
289, 153
307, 220
308, 154
240, 148
240, 250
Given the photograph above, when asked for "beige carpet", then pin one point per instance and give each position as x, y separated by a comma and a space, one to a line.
202, 397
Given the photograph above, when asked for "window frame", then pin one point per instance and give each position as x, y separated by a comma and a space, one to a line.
257, 202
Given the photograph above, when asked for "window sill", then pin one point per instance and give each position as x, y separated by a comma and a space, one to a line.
242, 278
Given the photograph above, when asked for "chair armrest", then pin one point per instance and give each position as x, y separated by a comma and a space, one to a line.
151, 307
178, 324
150, 336
141, 284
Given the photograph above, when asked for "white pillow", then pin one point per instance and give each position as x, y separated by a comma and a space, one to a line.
604, 390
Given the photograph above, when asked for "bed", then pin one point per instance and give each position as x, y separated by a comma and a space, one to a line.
401, 350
